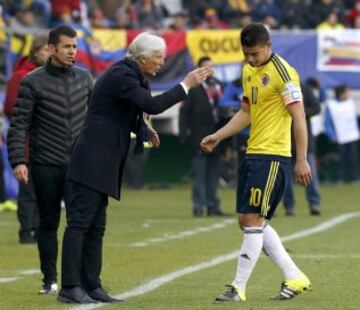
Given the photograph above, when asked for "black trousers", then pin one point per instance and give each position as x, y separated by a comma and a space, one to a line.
83, 238
27, 211
50, 189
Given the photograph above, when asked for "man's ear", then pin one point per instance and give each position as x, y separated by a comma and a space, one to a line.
142, 60
52, 48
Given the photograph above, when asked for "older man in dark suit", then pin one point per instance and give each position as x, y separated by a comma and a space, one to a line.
119, 99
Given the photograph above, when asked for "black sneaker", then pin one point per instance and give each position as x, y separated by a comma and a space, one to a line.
231, 294
101, 295
48, 288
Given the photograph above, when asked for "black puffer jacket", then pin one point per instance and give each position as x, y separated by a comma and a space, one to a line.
50, 109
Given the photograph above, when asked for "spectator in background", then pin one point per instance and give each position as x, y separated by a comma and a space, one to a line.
320, 10
357, 22
352, 15
98, 19
195, 8
213, 21
27, 206
270, 22
264, 8
234, 7
312, 108
63, 11
317, 89
342, 128
198, 117
150, 15
180, 22
330, 23
23, 20
239, 19
294, 14
122, 19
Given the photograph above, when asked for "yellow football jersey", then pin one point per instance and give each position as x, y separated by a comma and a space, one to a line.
268, 90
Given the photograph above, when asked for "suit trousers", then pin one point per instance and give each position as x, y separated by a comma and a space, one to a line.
50, 189
83, 238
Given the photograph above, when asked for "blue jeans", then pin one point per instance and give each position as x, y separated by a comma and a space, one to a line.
205, 182
312, 190
348, 165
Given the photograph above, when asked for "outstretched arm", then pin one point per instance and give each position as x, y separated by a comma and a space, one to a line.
157, 104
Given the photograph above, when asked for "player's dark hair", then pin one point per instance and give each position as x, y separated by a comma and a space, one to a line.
54, 34
254, 34
202, 60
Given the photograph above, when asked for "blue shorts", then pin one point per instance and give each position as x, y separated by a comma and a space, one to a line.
261, 184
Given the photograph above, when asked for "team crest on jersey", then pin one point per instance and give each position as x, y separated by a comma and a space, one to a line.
248, 79
265, 80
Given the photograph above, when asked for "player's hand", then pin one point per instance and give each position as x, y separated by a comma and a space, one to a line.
208, 144
154, 137
302, 172
197, 76
21, 173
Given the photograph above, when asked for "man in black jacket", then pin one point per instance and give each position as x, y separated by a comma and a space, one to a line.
198, 118
50, 109
118, 101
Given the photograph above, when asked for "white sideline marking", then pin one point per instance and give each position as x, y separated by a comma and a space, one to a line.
9, 279
28, 272
184, 234
157, 282
21, 273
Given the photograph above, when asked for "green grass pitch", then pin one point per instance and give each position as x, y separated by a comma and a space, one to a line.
172, 240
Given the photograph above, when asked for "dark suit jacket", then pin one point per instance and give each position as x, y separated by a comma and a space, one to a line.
120, 94
196, 119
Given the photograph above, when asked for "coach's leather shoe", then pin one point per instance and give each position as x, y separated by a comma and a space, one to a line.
74, 295
101, 295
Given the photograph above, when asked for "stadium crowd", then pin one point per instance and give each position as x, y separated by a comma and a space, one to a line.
179, 15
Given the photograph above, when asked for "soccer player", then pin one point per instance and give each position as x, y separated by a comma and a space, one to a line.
272, 100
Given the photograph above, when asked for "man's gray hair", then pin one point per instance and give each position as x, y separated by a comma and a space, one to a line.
145, 44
